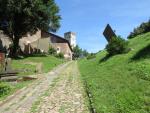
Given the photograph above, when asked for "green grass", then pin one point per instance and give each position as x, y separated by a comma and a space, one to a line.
120, 84
24, 69
13, 88
49, 62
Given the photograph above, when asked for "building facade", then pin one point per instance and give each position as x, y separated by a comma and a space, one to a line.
30, 44
41, 42
60, 44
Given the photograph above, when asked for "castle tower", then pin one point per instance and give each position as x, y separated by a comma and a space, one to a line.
71, 37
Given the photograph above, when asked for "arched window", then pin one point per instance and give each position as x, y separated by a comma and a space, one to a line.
58, 49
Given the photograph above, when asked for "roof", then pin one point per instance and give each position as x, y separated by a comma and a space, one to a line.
70, 33
65, 40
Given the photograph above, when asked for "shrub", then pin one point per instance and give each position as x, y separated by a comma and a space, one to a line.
117, 46
4, 89
91, 56
52, 51
60, 55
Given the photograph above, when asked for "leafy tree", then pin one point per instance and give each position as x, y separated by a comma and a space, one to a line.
143, 28
77, 52
117, 46
19, 17
85, 53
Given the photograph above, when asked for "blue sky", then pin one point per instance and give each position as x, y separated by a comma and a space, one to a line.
88, 18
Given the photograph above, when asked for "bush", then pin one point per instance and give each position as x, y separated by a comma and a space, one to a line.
60, 55
4, 89
52, 51
91, 56
117, 46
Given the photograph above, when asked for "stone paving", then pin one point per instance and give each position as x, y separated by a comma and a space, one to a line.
66, 95
22, 100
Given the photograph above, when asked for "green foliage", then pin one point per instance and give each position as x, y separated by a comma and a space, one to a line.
19, 17
117, 46
85, 53
4, 89
91, 56
143, 28
120, 84
79, 53
52, 51
60, 55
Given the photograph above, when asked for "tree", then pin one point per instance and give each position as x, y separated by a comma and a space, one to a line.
77, 52
19, 17
85, 53
143, 28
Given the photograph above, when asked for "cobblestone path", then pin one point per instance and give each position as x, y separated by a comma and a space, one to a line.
60, 91
67, 95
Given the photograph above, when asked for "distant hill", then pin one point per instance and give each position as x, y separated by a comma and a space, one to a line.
120, 84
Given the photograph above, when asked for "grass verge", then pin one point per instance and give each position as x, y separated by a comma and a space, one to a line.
120, 84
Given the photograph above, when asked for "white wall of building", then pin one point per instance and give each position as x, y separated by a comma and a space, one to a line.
71, 37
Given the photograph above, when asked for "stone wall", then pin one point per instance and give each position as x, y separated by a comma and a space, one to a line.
4, 41
59, 44
31, 43
63, 48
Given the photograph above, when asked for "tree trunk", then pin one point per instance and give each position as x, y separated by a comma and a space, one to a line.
15, 46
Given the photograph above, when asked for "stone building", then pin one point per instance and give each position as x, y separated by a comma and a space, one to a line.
5, 41
41, 41
30, 44
71, 37
60, 44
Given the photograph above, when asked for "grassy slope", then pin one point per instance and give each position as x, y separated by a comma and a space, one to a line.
48, 62
121, 84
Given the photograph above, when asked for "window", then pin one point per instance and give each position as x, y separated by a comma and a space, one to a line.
58, 49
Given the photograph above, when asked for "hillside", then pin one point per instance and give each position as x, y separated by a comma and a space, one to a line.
120, 84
